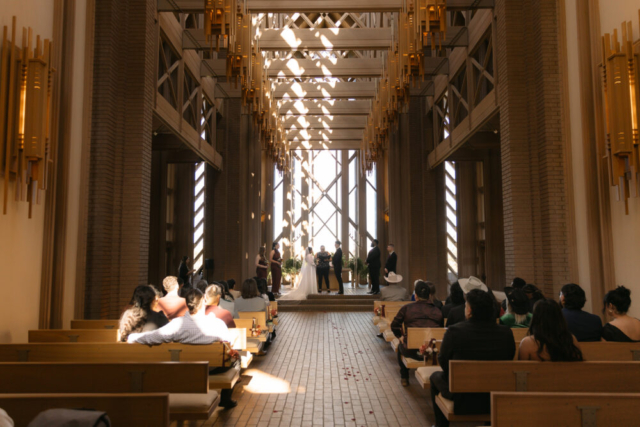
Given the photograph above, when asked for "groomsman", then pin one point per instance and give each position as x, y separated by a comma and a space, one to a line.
373, 261
337, 266
392, 260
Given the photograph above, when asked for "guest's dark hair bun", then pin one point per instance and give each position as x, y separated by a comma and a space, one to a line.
620, 298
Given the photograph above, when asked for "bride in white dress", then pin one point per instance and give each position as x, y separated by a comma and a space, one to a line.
308, 284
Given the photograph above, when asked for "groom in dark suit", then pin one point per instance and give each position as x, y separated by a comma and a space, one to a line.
373, 261
337, 266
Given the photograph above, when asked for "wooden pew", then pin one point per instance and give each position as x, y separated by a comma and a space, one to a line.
241, 345
141, 409
273, 305
391, 308
565, 409
610, 351
193, 390
467, 376
95, 324
254, 345
74, 335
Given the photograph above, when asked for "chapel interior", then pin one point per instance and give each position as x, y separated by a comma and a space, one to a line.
475, 141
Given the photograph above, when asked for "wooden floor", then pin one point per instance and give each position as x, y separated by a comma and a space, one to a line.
326, 369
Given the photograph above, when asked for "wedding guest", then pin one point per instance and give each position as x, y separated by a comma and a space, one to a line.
141, 317
457, 314
373, 261
456, 299
432, 295
534, 294
195, 327
392, 260
336, 261
172, 304
516, 283
517, 315
263, 289
213, 295
419, 314
479, 338
549, 337
251, 300
276, 268
202, 285
184, 272
393, 292
584, 326
228, 299
622, 328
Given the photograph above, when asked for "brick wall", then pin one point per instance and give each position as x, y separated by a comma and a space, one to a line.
535, 217
120, 178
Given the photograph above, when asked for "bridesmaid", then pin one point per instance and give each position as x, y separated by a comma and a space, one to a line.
261, 264
276, 268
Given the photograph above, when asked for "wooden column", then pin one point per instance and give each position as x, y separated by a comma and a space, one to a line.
467, 218
344, 237
494, 222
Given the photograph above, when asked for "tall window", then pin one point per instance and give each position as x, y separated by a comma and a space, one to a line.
198, 216
372, 205
452, 220
353, 204
278, 204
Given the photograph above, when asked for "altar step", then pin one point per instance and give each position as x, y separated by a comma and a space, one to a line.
324, 302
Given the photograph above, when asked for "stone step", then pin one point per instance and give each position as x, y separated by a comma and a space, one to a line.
337, 301
342, 297
323, 307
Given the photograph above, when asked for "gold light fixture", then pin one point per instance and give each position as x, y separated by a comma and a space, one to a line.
25, 114
219, 21
621, 83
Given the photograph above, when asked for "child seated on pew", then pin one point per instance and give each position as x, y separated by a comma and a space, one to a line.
549, 337
420, 314
141, 317
195, 327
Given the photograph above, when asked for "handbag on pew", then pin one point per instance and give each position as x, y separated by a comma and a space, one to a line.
71, 418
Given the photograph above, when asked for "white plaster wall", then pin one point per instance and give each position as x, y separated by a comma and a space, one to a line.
625, 228
21, 237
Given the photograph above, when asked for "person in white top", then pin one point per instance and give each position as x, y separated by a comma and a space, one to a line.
195, 327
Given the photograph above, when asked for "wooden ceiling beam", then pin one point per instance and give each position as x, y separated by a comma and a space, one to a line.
306, 6
326, 39
324, 134
338, 90
347, 67
324, 122
329, 108
326, 145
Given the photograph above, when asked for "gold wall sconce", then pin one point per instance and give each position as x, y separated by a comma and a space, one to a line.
25, 115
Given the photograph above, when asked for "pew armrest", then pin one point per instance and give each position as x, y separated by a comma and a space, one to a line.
423, 375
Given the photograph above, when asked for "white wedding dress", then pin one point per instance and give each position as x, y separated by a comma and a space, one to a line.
308, 284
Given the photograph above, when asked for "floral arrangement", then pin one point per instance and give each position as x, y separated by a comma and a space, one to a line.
429, 351
234, 355
257, 331
377, 311
274, 313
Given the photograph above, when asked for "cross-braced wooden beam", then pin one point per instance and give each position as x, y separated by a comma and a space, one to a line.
345, 67
329, 108
324, 122
324, 135
324, 90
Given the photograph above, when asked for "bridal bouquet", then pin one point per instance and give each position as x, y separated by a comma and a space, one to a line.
429, 351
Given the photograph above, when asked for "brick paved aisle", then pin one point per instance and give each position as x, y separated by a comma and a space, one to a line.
326, 369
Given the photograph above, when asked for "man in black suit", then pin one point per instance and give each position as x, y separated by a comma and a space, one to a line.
479, 338
373, 261
337, 266
392, 260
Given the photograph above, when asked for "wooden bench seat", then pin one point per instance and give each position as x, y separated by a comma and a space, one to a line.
125, 409
470, 376
565, 409
95, 324
74, 335
610, 351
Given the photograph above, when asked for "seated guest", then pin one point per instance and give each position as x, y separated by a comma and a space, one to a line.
263, 288
419, 314
195, 327
517, 315
584, 326
455, 299
231, 289
172, 304
250, 299
534, 294
549, 337
479, 338
432, 295
623, 327
141, 317
457, 314
213, 294
393, 292
516, 283
227, 301
202, 285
